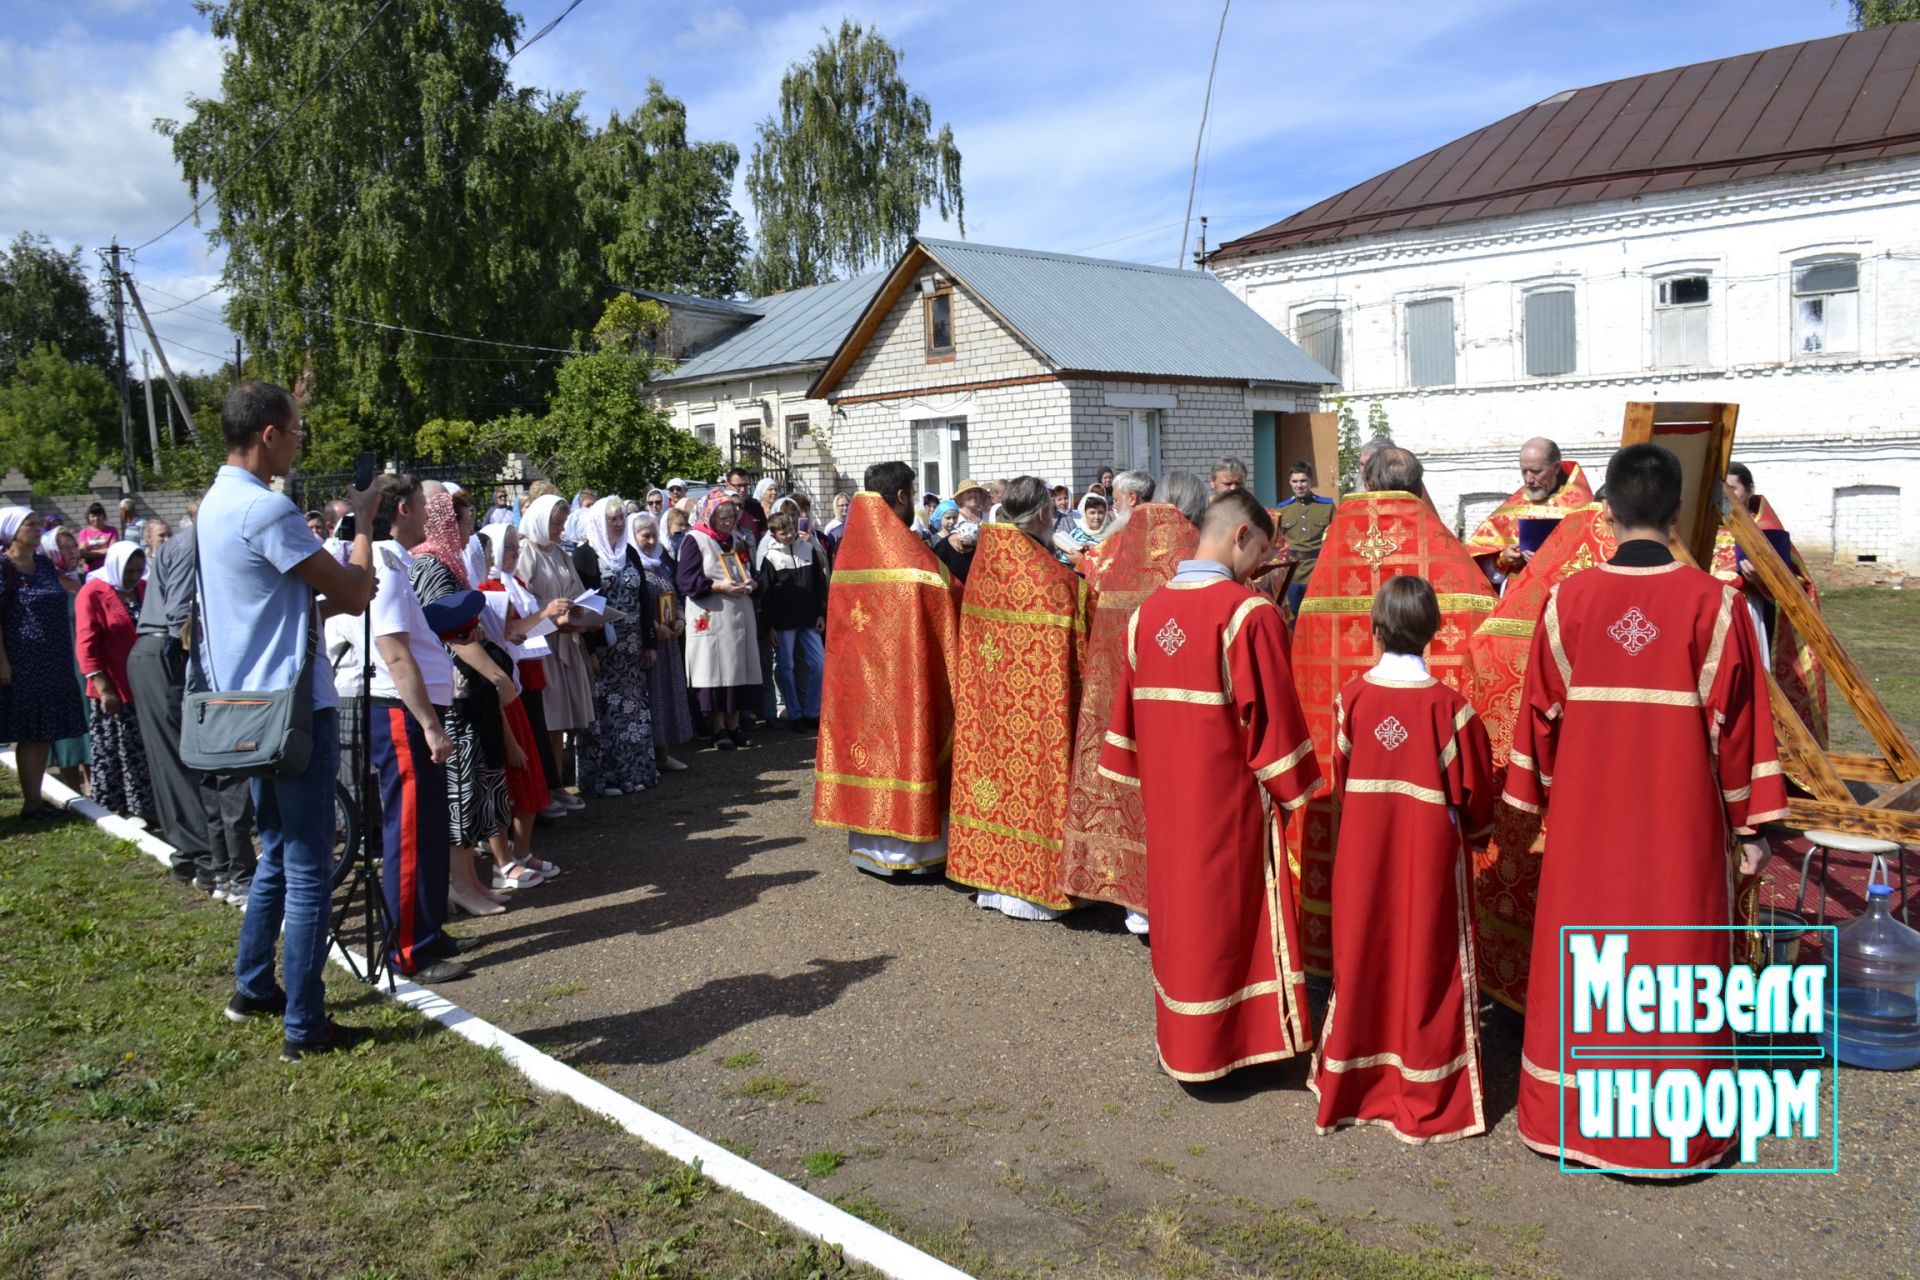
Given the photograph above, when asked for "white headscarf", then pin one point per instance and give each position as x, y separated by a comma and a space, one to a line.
763, 491
1106, 526
113, 568
538, 518
11, 518
646, 520
521, 599
612, 554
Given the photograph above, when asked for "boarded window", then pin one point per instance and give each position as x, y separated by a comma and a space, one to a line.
1549, 332
1430, 342
1318, 333
1866, 524
1826, 306
1681, 310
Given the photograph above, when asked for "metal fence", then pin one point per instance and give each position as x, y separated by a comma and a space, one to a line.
313, 489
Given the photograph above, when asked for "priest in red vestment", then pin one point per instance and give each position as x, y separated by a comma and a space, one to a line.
1796, 667
1401, 1044
1105, 858
1380, 534
1207, 725
1016, 695
886, 707
1646, 738
1507, 870
1549, 488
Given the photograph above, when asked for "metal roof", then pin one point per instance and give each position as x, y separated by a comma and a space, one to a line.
1094, 315
720, 306
1840, 100
799, 327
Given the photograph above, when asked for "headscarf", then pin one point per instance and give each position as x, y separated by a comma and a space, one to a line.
1080, 521
538, 518
703, 519
113, 567
663, 499
11, 518
443, 541
646, 520
521, 599
575, 531
939, 514
612, 554
764, 491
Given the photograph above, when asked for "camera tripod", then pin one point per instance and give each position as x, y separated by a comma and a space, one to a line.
356, 871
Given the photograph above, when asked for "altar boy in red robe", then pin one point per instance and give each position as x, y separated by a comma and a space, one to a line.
1413, 778
1646, 737
1207, 725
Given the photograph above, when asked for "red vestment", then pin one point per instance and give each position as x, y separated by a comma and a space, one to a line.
1501, 529
886, 708
1795, 666
1373, 537
1023, 633
1207, 725
1401, 1044
1507, 871
1105, 858
1646, 721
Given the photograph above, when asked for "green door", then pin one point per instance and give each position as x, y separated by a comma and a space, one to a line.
1266, 468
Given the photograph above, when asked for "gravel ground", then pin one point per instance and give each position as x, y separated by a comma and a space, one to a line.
990, 1086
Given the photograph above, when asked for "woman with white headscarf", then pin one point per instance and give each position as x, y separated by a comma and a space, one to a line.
39, 701
547, 570
672, 714
617, 752
723, 651
104, 613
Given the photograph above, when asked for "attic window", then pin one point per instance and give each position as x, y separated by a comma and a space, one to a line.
939, 324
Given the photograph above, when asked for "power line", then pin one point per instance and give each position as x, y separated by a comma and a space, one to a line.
545, 31
275, 131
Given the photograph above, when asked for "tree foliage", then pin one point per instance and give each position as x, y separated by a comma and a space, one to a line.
842, 171
1880, 13
418, 190
45, 298
58, 419
659, 206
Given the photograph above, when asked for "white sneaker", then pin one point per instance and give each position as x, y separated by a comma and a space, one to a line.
555, 810
673, 764
219, 892
1136, 923
567, 799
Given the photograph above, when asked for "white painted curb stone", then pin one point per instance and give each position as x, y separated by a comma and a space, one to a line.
859, 1239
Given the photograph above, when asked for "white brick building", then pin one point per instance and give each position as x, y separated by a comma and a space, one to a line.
978, 362
1744, 230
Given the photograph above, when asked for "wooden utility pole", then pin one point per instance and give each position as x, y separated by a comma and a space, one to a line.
120, 369
161, 351
153, 429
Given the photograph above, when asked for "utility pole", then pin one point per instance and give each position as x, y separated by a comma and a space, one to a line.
1200, 246
165, 368
153, 430
238, 375
120, 370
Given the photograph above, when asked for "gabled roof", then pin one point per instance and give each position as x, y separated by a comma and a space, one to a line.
718, 306
801, 327
1840, 100
1093, 315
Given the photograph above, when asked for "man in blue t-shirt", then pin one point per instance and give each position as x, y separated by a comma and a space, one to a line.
261, 575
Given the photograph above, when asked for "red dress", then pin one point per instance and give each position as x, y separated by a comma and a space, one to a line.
1401, 1044
1207, 725
526, 787
1645, 735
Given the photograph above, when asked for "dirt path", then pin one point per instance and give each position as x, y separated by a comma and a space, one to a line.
990, 1090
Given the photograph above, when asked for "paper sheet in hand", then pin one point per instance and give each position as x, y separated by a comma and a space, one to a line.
537, 630
591, 601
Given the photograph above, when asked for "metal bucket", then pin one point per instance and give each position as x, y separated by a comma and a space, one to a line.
1781, 932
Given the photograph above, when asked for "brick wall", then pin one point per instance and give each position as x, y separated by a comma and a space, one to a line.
896, 356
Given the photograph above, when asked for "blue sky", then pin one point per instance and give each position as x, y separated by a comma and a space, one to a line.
1076, 119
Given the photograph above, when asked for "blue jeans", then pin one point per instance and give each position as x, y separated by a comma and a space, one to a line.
815, 654
295, 817
1296, 592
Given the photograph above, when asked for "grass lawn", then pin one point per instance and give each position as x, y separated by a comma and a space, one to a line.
141, 1134
1881, 629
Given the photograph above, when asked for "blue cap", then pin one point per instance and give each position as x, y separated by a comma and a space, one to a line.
1884, 890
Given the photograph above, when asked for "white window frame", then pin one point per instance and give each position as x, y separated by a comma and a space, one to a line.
1801, 260
1130, 428
948, 453
703, 432
1658, 283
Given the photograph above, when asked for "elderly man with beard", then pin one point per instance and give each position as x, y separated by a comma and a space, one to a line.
1549, 490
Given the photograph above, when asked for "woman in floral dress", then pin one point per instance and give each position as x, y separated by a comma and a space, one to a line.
617, 751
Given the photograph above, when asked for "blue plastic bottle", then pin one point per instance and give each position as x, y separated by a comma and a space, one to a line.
1879, 968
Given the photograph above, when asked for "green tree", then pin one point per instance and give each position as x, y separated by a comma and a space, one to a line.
841, 173
416, 191
660, 207
602, 430
1349, 445
57, 419
1879, 13
45, 298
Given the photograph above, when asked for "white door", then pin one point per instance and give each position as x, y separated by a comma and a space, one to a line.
940, 451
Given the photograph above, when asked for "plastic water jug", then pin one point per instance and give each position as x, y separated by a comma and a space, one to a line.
1878, 1022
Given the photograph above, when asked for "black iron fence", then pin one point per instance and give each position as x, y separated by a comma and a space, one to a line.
759, 457
312, 489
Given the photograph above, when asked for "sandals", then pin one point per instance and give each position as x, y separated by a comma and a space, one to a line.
516, 876
545, 870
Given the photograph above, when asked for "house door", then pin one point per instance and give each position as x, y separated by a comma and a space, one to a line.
940, 452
